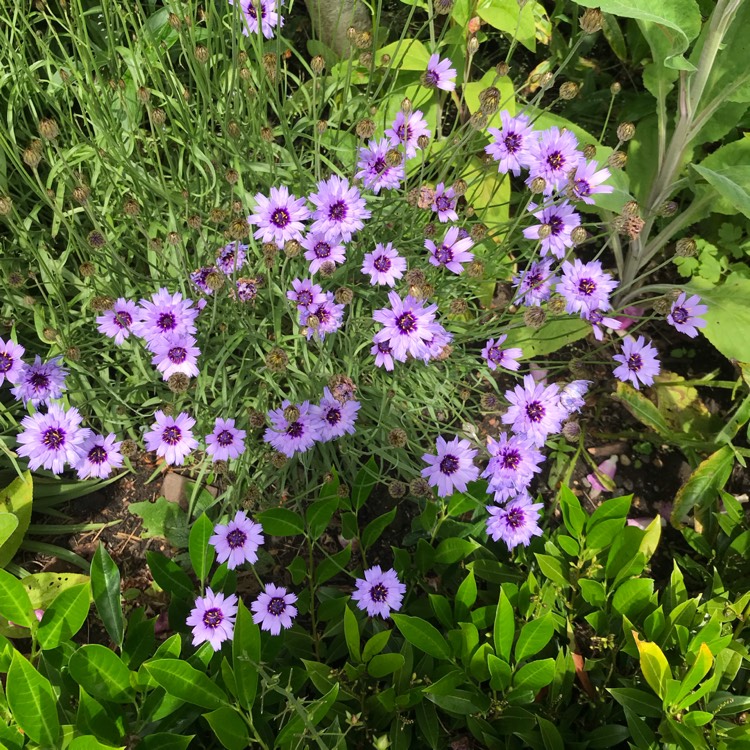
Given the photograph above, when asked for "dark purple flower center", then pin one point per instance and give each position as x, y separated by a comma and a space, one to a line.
166, 321
444, 254
213, 617
679, 315
555, 224
403, 132
322, 249
556, 160
378, 593
246, 291
97, 455
587, 287
304, 297
333, 416
177, 355
224, 438
379, 166
431, 78
533, 280
295, 430
384, 347
635, 362
323, 314
515, 518
495, 354
280, 217
53, 438
512, 142
443, 203
39, 380
171, 435
337, 211
449, 464
276, 606
382, 263
510, 459
535, 411
582, 188
6, 362
250, 10
406, 323
123, 319
236, 538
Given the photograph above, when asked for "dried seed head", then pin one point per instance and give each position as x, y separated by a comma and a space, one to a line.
579, 235
397, 438
546, 80
625, 131
617, 159
269, 65
232, 176
343, 491
96, 239
217, 215
178, 382
472, 45
475, 269
252, 497
478, 121
158, 116
502, 69
363, 40
292, 248
423, 292
668, 209
662, 306
266, 134
237, 207
131, 207
459, 187
458, 306
478, 232
489, 100
238, 229
397, 489
81, 194
365, 59
215, 280
291, 413
278, 460
442, 7
686, 247
344, 295
318, 64
569, 90
589, 151
556, 305
32, 154
50, 334
100, 304
73, 354
87, 270
174, 21
365, 128
327, 269
351, 33
537, 185
233, 129
631, 208
571, 431
490, 402
321, 126
277, 360
415, 277
423, 141
592, 20
534, 317
256, 418
16, 280
48, 128
393, 158
429, 230
128, 448
155, 244
194, 221
313, 322
173, 239
342, 388
420, 487
6, 205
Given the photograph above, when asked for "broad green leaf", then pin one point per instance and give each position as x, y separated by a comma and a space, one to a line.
553, 569
170, 576
182, 681
280, 522
515, 20
165, 741
406, 54
15, 604
427, 722
592, 592
351, 635
453, 549
375, 644
703, 663
632, 597
551, 737
614, 508
644, 410
535, 675
466, 596
8, 524
91, 743
654, 665
640, 732
32, 702
423, 635
731, 183
319, 515
16, 499
93, 718
500, 673
573, 514
105, 588
101, 673
534, 636
201, 553
374, 530
551, 337
229, 727
639, 702
367, 477
504, 628
702, 488
245, 655
65, 616
382, 665
162, 518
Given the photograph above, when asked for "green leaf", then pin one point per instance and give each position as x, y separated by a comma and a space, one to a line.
93, 718
162, 518
373, 531
504, 628
367, 477
384, 664
202, 553
8, 524
702, 488
535, 635
65, 616
375, 644
427, 722
182, 681
500, 673
453, 549
508, 16
406, 54
319, 514
654, 665
640, 732
703, 663
91, 743
351, 635
280, 522
573, 514
245, 655
423, 635
32, 702
165, 741
551, 737
551, 337
15, 604
644, 410
170, 576
731, 183
553, 569
614, 508
105, 587
466, 596
632, 597
229, 728
101, 673
316, 712
535, 675
16, 499
568, 545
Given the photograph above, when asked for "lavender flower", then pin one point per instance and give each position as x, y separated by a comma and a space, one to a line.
552, 157
171, 437
212, 619
237, 542
176, 353
439, 74
339, 209
561, 221
320, 250
383, 355
247, 289
585, 286
231, 258
510, 148
53, 439
516, 523
406, 130
99, 455
496, 356
452, 468
452, 253
572, 396
198, 277
273, 609
374, 171
639, 362
683, 316
384, 265
40, 382
269, 18
379, 592
290, 436
305, 294
407, 326
333, 419
329, 315
436, 343
535, 283
535, 410
444, 203
116, 322
279, 217
597, 319
226, 441
513, 462
586, 181
11, 364
164, 314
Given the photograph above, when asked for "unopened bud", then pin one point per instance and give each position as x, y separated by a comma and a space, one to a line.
569, 90
571, 431
178, 382
406, 105
318, 64
393, 158
292, 248
668, 209
87, 270
489, 100
423, 141
579, 235
617, 159
291, 413
344, 295
534, 317
556, 305
48, 128
631, 208
589, 151
6, 205
478, 121
686, 247
202, 54
277, 361
537, 185
397, 489
327, 269
158, 116
472, 45
625, 131
615, 88
502, 69
365, 128
592, 20
321, 126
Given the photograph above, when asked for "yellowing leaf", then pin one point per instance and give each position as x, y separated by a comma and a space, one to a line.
654, 665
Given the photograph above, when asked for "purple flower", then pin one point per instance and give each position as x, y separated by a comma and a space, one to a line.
116, 322
212, 619
572, 396
496, 356
171, 437
333, 419
406, 130
231, 258
273, 609
290, 436
384, 265
320, 250
164, 314
452, 468
305, 294
173, 354
225, 442
535, 283
383, 355
510, 148
40, 382
374, 171
585, 286
597, 319
513, 462
278, 218
516, 523
11, 364
379, 592
53, 439
535, 410
683, 316
436, 343
247, 289
99, 455
439, 74
237, 542
552, 157
452, 253
407, 326
587, 182
328, 314
444, 203
561, 220
269, 18
639, 362
339, 209
198, 277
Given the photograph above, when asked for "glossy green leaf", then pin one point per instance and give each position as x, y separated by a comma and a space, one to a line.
105, 588
170, 576
100, 672
508, 16
15, 604
573, 514
8, 524
654, 665
165, 741
384, 664
93, 718
374, 530
91, 743
319, 515
702, 488
466, 596
65, 616
535, 675
245, 655
32, 702
201, 553
504, 628
501, 674
453, 549
423, 635
367, 477
280, 522
406, 54
351, 635
632, 597
534, 636
229, 728
553, 569
549, 338
182, 681
375, 644
16, 499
